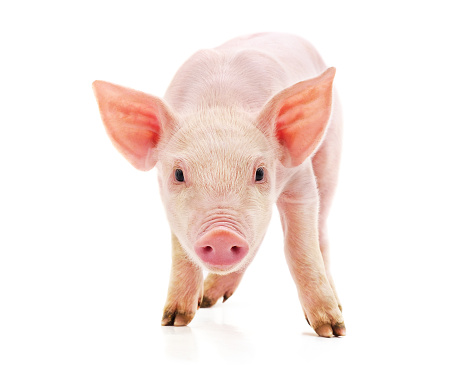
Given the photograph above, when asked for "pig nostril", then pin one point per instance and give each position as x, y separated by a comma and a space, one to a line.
221, 247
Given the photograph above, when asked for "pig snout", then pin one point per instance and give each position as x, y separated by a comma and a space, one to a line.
221, 247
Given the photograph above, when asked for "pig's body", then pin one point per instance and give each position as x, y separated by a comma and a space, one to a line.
225, 126
244, 72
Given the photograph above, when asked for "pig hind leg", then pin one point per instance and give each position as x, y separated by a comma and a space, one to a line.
217, 286
326, 163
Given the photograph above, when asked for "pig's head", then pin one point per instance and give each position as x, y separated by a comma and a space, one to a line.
220, 169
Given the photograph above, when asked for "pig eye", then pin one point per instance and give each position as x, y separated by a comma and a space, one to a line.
179, 176
259, 174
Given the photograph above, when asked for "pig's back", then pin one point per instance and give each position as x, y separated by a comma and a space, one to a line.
245, 71
299, 59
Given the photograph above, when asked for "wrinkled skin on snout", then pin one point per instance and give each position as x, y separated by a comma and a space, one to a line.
249, 124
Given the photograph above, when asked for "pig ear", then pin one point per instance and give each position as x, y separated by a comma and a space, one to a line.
299, 116
133, 120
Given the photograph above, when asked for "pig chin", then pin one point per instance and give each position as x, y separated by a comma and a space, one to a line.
221, 247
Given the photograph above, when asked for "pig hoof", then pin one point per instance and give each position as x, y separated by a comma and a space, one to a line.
328, 330
226, 296
207, 302
339, 329
216, 286
177, 318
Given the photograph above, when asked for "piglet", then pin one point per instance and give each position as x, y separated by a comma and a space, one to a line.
243, 126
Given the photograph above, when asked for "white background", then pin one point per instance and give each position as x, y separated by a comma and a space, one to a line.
84, 244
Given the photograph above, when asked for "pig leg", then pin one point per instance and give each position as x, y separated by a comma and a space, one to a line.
323, 241
216, 286
326, 163
299, 216
184, 290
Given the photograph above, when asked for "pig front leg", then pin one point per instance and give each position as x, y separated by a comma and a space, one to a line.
299, 220
216, 286
184, 290
324, 249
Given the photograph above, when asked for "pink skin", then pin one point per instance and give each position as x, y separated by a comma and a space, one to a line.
262, 101
221, 248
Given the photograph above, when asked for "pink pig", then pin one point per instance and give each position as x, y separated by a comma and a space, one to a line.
248, 124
